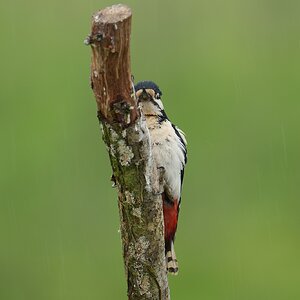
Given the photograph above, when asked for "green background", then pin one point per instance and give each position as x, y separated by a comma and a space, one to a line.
229, 72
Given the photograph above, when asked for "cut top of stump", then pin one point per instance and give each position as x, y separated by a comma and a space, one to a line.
112, 14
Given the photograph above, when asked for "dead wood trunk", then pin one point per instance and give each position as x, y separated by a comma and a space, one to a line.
128, 143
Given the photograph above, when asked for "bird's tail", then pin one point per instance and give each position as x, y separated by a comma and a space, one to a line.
172, 264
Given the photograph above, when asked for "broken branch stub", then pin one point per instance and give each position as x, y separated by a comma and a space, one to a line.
110, 69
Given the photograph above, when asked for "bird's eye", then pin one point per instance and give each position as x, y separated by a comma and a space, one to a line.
157, 96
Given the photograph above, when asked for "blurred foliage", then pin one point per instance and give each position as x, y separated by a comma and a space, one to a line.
229, 72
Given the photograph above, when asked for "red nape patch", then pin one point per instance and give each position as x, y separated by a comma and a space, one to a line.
170, 218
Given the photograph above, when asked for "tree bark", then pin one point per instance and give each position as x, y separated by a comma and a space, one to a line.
128, 142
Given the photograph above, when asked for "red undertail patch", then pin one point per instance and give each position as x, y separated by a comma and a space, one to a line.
170, 218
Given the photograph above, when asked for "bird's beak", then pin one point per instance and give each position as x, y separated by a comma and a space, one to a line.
142, 95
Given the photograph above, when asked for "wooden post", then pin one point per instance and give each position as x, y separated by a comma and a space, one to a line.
128, 142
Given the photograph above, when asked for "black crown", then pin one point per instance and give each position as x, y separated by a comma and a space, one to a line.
148, 85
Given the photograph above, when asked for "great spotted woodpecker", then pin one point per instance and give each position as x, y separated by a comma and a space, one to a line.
170, 153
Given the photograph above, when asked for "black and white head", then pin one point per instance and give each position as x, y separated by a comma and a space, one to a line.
149, 99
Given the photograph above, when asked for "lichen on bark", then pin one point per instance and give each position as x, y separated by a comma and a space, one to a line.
140, 209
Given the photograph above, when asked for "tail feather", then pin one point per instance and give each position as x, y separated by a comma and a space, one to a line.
172, 264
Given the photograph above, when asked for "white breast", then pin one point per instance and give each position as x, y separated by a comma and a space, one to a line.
168, 153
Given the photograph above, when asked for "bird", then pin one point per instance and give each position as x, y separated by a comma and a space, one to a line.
169, 151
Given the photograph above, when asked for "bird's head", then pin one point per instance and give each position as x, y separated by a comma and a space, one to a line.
149, 99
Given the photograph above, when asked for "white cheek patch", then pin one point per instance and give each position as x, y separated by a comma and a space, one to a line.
138, 93
150, 92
